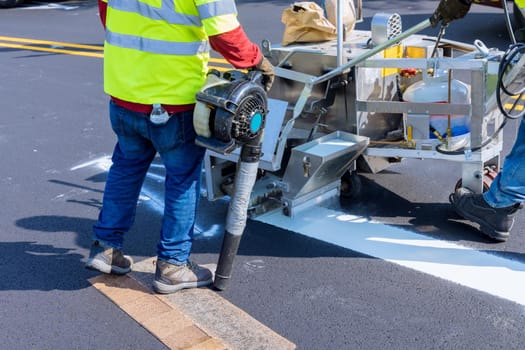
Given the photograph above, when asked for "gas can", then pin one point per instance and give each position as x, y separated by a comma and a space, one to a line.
435, 89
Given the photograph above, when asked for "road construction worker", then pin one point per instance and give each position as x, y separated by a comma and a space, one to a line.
494, 210
155, 61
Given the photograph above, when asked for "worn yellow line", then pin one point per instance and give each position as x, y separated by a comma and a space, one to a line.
215, 315
161, 318
221, 69
218, 60
55, 43
68, 52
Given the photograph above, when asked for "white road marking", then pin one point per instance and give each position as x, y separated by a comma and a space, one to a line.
468, 267
151, 197
102, 163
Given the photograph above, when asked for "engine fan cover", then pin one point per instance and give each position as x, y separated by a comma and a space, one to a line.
237, 110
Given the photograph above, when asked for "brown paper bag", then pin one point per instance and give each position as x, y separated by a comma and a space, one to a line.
305, 22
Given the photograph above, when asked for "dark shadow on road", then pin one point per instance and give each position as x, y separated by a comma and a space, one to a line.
31, 266
437, 220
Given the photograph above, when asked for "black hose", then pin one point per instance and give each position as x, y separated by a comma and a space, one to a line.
509, 57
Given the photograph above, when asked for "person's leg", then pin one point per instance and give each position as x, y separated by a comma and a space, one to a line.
495, 209
182, 159
494, 222
132, 157
175, 143
508, 188
123, 184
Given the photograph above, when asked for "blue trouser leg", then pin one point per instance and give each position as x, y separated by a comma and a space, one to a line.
508, 187
182, 189
132, 157
123, 186
138, 142
180, 205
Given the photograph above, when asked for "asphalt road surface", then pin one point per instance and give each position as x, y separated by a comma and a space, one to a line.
395, 269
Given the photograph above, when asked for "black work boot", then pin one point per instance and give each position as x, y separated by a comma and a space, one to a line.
494, 222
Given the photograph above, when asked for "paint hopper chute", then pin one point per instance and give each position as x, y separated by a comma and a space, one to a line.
318, 165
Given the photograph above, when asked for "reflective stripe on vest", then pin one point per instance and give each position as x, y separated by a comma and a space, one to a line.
217, 8
157, 46
167, 11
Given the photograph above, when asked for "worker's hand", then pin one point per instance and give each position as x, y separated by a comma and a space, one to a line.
266, 68
449, 10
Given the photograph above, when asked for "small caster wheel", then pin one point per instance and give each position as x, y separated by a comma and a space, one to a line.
489, 174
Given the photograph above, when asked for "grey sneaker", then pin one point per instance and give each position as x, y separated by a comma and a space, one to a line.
494, 222
170, 278
108, 260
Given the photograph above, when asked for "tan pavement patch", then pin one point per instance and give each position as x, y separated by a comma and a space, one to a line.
197, 319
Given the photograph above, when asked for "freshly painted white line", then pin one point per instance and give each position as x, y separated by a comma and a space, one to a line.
156, 177
152, 200
103, 163
468, 267
150, 197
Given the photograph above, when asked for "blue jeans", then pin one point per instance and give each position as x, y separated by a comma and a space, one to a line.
508, 187
138, 142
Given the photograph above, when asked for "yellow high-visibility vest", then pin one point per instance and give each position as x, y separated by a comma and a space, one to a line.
157, 51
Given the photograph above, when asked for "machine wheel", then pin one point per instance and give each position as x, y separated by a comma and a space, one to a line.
351, 185
10, 3
489, 174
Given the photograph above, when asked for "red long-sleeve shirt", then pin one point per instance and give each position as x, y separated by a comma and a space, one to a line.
234, 46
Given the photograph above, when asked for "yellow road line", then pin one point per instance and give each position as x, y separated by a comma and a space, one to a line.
196, 318
54, 43
221, 69
162, 319
219, 60
48, 49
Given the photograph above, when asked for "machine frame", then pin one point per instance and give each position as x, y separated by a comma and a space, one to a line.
309, 144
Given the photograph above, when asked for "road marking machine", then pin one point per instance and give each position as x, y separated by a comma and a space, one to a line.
360, 102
